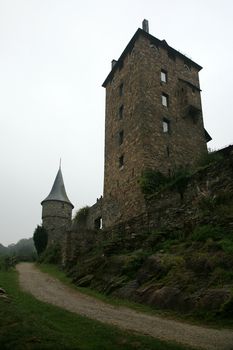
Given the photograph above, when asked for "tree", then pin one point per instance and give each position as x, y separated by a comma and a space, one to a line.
40, 238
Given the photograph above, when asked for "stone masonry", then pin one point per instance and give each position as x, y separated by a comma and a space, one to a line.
153, 121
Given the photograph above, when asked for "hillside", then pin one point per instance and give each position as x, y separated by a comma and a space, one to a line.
23, 250
183, 264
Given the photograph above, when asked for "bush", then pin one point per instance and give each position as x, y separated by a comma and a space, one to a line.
52, 255
203, 233
7, 262
40, 238
151, 181
81, 214
226, 245
210, 157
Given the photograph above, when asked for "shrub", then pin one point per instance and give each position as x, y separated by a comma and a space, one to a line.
40, 238
52, 255
210, 157
202, 233
151, 181
226, 245
179, 181
81, 214
227, 309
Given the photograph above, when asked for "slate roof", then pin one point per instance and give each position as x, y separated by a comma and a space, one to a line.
58, 191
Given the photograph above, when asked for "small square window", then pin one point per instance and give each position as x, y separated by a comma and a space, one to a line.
166, 126
164, 100
120, 137
121, 89
163, 76
121, 161
121, 110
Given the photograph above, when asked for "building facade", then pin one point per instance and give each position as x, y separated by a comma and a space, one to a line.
153, 121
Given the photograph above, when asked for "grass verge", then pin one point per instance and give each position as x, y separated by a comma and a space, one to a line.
201, 318
26, 323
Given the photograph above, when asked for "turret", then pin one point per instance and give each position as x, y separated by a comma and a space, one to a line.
57, 210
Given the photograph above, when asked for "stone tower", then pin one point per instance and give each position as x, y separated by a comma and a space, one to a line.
153, 120
57, 210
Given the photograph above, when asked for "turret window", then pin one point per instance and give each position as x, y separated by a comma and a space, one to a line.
163, 76
166, 126
121, 161
120, 137
121, 112
164, 99
121, 89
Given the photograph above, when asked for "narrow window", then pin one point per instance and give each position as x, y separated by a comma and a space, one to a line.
121, 89
121, 161
168, 151
164, 100
98, 223
166, 125
163, 76
121, 110
120, 137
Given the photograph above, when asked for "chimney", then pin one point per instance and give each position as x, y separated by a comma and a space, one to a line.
145, 25
113, 63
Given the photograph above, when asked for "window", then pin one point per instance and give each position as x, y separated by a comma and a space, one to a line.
121, 161
121, 110
164, 100
121, 89
120, 137
163, 76
98, 223
168, 151
166, 127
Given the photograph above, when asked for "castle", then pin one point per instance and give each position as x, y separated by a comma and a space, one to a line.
153, 121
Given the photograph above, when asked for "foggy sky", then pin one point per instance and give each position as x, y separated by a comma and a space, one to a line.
54, 57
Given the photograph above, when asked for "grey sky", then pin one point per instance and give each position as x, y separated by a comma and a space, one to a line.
54, 56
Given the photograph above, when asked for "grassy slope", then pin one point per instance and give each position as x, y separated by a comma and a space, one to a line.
26, 323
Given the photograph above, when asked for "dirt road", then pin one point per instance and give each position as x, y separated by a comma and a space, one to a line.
48, 289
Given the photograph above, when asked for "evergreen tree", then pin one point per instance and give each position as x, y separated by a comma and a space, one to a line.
40, 238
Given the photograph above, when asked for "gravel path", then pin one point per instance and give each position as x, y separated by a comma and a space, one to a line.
48, 289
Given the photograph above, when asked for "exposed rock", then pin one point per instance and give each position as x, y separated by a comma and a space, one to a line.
153, 267
2, 291
84, 281
166, 298
128, 290
214, 299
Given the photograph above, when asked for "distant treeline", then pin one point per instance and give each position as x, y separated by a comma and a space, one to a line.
24, 250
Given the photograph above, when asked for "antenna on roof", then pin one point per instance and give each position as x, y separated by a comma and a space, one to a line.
60, 164
145, 25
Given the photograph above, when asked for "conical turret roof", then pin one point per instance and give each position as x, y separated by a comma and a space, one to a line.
58, 191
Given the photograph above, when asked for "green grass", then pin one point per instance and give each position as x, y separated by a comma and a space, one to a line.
26, 323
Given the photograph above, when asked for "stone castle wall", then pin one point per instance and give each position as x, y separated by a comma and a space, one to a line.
134, 132
167, 209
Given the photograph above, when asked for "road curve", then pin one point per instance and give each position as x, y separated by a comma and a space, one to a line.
50, 290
